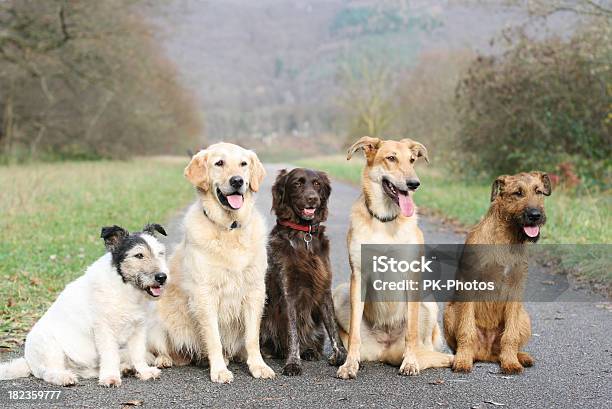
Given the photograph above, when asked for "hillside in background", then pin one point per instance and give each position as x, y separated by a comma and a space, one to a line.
265, 68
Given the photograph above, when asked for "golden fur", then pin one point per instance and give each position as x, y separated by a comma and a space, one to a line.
398, 333
213, 306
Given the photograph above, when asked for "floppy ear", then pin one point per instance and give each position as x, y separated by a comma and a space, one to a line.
325, 185
418, 148
258, 172
368, 144
498, 187
151, 228
113, 236
279, 188
197, 170
325, 192
545, 181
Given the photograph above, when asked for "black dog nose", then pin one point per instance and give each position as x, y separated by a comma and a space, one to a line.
533, 215
161, 277
236, 182
413, 184
312, 199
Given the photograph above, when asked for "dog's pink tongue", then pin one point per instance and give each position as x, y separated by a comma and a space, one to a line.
406, 205
235, 201
156, 291
309, 212
531, 231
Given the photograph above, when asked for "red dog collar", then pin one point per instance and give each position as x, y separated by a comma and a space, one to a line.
310, 228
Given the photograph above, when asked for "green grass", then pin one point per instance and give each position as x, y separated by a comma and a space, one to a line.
50, 219
571, 220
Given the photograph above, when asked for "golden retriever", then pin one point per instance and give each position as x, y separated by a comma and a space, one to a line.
398, 333
214, 303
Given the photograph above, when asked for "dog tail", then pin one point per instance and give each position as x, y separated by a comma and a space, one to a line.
436, 338
17, 368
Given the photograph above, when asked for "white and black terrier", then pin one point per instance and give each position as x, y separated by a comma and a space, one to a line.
97, 325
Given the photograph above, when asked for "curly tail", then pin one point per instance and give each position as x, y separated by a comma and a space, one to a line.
17, 368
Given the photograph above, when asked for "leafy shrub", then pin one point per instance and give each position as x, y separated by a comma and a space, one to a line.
538, 105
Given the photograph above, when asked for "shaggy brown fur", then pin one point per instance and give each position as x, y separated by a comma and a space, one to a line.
497, 330
298, 282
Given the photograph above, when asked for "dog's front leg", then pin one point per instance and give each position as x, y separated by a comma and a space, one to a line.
339, 355
110, 360
137, 348
350, 367
252, 312
465, 333
293, 366
207, 310
508, 356
410, 365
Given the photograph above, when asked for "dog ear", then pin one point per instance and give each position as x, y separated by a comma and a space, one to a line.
325, 185
258, 172
418, 148
113, 236
368, 144
279, 189
325, 193
545, 181
197, 170
151, 228
498, 187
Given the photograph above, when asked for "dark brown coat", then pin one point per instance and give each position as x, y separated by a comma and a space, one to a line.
298, 282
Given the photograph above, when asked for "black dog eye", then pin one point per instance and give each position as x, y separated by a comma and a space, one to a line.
391, 158
518, 193
316, 184
243, 163
219, 163
412, 160
139, 255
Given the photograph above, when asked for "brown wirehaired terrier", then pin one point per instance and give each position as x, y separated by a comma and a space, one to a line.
496, 330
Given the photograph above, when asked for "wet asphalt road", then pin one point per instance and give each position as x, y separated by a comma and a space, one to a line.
571, 344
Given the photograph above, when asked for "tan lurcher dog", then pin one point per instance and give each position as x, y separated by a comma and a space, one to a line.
213, 306
404, 334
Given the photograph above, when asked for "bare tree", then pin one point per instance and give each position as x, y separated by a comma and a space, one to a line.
87, 79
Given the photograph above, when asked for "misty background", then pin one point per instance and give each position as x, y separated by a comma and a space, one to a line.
484, 84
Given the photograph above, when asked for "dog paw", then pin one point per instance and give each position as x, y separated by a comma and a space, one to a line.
348, 370
61, 378
511, 367
409, 367
292, 369
310, 355
148, 373
262, 371
462, 365
110, 381
163, 361
338, 357
222, 376
525, 359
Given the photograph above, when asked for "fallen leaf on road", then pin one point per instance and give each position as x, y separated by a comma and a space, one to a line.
131, 403
490, 402
548, 282
436, 382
